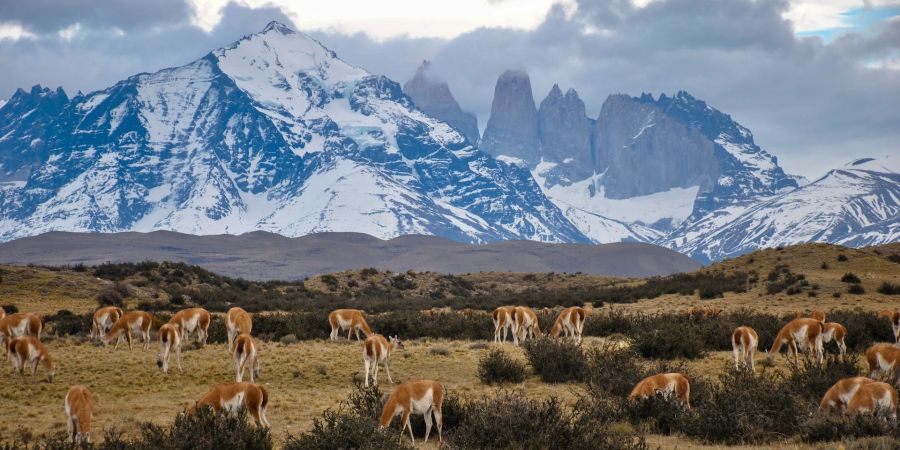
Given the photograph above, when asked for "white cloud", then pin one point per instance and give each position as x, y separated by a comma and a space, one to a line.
13, 31
383, 19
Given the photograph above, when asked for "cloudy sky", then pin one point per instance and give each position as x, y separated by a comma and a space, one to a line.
818, 81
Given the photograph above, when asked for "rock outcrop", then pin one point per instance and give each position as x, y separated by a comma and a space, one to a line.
435, 99
512, 129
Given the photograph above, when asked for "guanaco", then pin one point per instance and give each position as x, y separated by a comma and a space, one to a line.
666, 383
744, 341
415, 397
79, 412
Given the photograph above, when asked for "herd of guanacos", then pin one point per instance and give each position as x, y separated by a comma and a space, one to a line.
20, 336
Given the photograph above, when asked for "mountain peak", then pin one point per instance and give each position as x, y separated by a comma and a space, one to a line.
555, 91
276, 26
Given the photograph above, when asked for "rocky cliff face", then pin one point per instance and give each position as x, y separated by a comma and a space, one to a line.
565, 133
512, 129
24, 129
642, 151
435, 99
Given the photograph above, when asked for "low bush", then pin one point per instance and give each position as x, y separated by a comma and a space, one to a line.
512, 421
888, 288
842, 257
204, 430
498, 367
856, 289
826, 428
745, 408
894, 257
613, 369
556, 360
354, 424
65, 323
669, 339
850, 277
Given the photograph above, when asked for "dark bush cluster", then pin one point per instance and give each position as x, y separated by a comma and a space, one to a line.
708, 284
894, 258
513, 421
850, 277
556, 360
497, 367
114, 295
66, 323
856, 289
888, 288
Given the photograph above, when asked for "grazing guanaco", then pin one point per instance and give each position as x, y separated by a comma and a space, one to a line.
132, 322
415, 397
874, 398
377, 349
525, 324
170, 338
193, 320
833, 331
2, 313
666, 383
245, 354
79, 412
894, 317
19, 324
233, 396
237, 321
570, 322
503, 322
883, 358
351, 320
28, 350
838, 396
103, 320
744, 341
800, 334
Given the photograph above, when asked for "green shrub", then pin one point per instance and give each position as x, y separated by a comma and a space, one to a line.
354, 424
745, 408
613, 369
65, 323
850, 277
888, 288
556, 360
205, 430
513, 421
670, 339
498, 367
831, 427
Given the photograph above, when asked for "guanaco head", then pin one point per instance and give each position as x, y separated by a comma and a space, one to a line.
397, 343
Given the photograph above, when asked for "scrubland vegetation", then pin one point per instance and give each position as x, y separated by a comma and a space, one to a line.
498, 395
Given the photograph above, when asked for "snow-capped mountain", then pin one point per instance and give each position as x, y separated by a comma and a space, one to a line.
273, 132
854, 205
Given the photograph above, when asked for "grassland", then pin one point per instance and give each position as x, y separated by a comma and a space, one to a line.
307, 377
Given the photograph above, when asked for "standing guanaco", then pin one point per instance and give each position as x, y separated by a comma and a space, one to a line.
351, 320
377, 349
744, 341
415, 397
79, 412
28, 350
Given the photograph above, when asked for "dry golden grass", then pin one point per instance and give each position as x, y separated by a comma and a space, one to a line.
304, 379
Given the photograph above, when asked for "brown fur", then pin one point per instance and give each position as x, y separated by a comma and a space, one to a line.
170, 338
353, 322
256, 398
126, 325
377, 349
675, 383
744, 341
503, 322
19, 324
874, 398
402, 401
894, 317
28, 350
237, 321
883, 358
198, 317
246, 354
571, 322
839, 395
812, 339
79, 412
525, 324
833, 331
103, 320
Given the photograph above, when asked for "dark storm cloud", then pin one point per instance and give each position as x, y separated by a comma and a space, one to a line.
52, 15
814, 105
